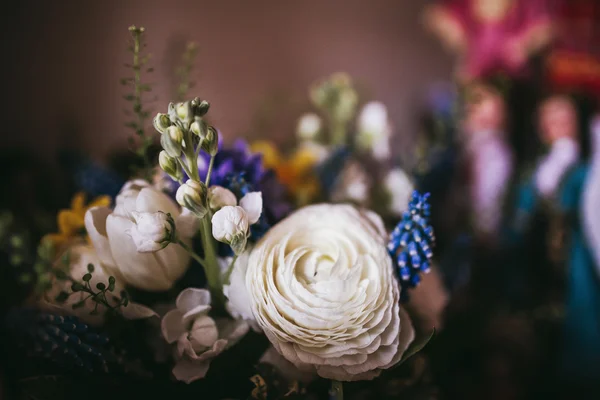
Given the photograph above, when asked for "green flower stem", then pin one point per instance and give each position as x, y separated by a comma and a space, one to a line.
337, 391
338, 132
210, 168
211, 267
190, 157
192, 253
229, 270
184, 166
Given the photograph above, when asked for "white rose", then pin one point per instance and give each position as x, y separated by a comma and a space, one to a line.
152, 231
399, 187
323, 290
80, 256
309, 126
219, 197
111, 234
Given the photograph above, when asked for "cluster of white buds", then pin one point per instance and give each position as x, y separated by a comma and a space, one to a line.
183, 134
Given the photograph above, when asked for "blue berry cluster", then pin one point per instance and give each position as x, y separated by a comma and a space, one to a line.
411, 243
67, 343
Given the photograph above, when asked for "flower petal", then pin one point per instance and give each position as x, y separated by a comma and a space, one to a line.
190, 298
135, 311
151, 200
189, 371
95, 225
171, 326
252, 203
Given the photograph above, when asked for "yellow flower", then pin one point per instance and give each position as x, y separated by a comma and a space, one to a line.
296, 172
71, 222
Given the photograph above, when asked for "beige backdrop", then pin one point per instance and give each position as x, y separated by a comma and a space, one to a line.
62, 61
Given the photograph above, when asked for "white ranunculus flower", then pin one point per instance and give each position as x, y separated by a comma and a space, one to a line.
219, 197
152, 231
374, 130
111, 234
198, 337
399, 187
309, 126
323, 290
80, 256
231, 224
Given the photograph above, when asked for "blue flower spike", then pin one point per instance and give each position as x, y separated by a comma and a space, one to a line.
411, 243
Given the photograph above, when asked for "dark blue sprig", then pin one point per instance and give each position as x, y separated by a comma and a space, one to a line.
411, 243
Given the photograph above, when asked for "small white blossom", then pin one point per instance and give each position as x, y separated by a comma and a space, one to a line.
399, 187
191, 196
231, 224
152, 231
219, 197
309, 126
374, 130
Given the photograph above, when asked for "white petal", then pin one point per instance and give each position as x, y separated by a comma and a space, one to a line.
151, 200
172, 326
95, 225
252, 203
189, 371
187, 224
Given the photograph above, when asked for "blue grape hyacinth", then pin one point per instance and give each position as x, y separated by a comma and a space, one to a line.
411, 243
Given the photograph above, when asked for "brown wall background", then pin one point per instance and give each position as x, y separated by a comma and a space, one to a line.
61, 62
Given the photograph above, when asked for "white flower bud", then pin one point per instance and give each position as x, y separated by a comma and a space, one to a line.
211, 141
230, 225
309, 126
152, 231
219, 197
161, 122
175, 133
374, 130
171, 147
199, 128
192, 195
170, 165
200, 107
172, 112
184, 112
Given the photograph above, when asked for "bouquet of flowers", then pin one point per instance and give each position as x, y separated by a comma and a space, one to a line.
216, 263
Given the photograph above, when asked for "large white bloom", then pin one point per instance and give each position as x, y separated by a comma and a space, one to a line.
111, 233
323, 290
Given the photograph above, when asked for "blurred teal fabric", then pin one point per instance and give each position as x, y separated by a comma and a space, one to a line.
581, 358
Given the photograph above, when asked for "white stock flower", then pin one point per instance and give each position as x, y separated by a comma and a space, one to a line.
191, 195
399, 187
231, 224
152, 231
199, 338
309, 126
219, 197
80, 256
111, 234
374, 130
353, 185
238, 301
323, 290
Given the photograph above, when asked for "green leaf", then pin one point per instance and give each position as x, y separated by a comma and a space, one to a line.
77, 287
416, 346
66, 258
87, 277
90, 267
